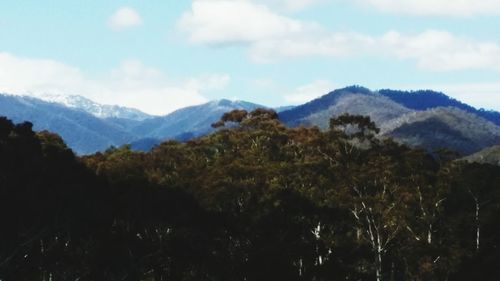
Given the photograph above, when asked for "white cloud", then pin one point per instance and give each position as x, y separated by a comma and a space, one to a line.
131, 84
300, 4
436, 7
442, 51
124, 17
270, 36
309, 92
319, 44
24, 75
225, 22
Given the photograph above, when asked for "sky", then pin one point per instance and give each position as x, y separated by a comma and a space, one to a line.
161, 55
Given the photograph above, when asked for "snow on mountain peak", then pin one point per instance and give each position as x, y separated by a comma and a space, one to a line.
94, 108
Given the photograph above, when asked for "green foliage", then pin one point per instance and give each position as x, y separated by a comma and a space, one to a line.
252, 201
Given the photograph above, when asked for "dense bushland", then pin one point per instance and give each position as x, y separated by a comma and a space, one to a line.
253, 201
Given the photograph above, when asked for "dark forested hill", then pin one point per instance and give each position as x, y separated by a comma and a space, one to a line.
254, 201
353, 100
427, 99
444, 127
425, 119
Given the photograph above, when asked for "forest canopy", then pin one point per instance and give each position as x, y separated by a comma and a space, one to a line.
254, 201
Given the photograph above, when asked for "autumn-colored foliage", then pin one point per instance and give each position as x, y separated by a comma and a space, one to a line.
252, 201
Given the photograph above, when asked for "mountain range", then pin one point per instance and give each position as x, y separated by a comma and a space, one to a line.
88, 127
96, 109
426, 119
82, 131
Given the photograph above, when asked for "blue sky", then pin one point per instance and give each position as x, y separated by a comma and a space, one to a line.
162, 55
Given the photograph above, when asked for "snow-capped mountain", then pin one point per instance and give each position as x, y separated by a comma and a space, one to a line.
425, 119
99, 110
82, 131
88, 126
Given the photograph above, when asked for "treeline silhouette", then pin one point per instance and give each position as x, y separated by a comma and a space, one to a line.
253, 201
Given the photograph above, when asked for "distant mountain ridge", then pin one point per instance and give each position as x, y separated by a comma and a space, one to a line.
427, 99
96, 109
188, 122
426, 119
82, 131
319, 104
439, 127
88, 127
353, 100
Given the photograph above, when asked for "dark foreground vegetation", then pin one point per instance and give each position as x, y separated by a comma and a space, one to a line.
254, 201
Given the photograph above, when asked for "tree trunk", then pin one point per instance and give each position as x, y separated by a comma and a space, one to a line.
378, 263
429, 234
478, 225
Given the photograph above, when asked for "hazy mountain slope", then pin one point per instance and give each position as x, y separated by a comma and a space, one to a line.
441, 127
83, 132
193, 121
284, 108
353, 100
294, 115
96, 109
378, 108
145, 144
124, 124
490, 155
426, 99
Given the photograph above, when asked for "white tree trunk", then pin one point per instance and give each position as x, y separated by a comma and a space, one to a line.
478, 224
379, 264
429, 234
